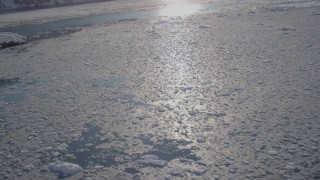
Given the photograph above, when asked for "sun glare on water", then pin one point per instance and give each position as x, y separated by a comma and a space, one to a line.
179, 8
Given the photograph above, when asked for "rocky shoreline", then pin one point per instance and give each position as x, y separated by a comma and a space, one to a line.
10, 5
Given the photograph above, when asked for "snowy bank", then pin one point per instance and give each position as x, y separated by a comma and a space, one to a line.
29, 4
8, 39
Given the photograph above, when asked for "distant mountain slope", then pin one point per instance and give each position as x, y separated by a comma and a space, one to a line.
30, 4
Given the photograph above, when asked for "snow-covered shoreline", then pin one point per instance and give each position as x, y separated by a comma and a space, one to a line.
31, 4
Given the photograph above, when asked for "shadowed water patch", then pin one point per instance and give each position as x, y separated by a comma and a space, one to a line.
130, 98
54, 33
84, 151
12, 91
109, 82
8, 81
146, 139
131, 170
229, 92
170, 149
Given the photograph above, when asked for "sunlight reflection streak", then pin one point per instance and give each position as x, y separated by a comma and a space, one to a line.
179, 8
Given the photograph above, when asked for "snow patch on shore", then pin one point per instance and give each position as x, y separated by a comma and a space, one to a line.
8, 39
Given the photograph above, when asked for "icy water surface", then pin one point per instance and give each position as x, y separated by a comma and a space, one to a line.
228, 95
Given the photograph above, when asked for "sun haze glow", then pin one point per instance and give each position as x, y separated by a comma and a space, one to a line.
179, 8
